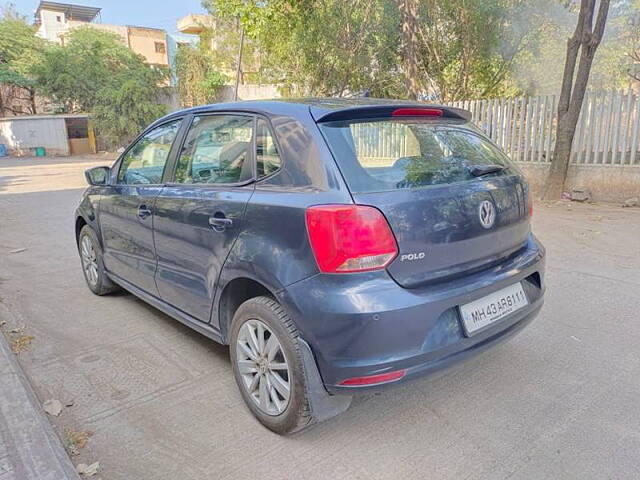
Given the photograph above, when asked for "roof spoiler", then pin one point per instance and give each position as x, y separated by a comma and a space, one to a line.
391, 111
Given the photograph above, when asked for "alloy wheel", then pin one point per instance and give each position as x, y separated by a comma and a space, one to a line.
89, 260
263, 367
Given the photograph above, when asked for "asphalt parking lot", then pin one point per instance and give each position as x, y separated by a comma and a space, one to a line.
558, 401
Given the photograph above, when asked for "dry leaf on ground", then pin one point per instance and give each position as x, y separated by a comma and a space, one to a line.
77, 440
88, 470
21, 343
52, 407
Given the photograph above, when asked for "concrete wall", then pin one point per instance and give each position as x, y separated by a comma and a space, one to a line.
50, 28
139, 39
119, 30
194, 23
607, 183
143, 41
22, 134
248, 92
169, 97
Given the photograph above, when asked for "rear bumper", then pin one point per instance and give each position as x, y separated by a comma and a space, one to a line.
366, 324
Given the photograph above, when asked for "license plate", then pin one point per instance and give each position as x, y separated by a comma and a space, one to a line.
487, 310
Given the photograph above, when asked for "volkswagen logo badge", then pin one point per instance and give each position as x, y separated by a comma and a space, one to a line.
487, 214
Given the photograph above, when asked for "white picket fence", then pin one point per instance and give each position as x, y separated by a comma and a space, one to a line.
608, 130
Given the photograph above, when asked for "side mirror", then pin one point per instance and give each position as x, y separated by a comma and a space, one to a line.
97, 175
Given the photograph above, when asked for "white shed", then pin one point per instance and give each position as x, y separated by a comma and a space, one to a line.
56, 133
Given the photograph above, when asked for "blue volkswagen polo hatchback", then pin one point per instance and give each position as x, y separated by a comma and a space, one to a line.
337, 246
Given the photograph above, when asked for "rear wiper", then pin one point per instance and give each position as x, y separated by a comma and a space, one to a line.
480, 170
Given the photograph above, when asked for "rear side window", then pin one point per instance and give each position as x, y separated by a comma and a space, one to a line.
400, 154
145, 160
217, 150
267, 156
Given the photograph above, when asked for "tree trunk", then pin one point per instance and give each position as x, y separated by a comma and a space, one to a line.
409, 23
561, 157
585, 41
1, 100
32, 101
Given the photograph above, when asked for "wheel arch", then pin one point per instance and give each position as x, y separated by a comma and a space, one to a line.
80, 222
86, 214
233, 294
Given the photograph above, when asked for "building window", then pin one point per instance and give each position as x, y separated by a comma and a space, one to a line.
160, 48
58, 18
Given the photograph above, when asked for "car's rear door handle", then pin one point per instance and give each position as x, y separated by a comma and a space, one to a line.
143, 211
220, 223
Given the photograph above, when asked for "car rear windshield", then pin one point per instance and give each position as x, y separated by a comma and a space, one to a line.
393, 154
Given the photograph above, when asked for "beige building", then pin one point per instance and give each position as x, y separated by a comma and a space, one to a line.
55, 21
223, 37
195, 23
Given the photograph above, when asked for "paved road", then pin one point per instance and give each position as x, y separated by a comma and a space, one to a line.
558, 401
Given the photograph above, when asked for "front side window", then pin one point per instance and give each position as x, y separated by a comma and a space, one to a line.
382, 155
267, 157
217, 150
144, 162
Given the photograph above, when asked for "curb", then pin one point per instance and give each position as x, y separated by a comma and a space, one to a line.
29, 447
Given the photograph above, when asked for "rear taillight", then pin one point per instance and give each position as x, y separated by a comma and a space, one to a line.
530, 203
350, 238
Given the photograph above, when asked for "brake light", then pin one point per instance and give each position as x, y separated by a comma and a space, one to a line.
350, 238
530, 203
416, 112
374, 379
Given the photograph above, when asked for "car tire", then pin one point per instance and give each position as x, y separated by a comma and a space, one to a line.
92, 263
269, 313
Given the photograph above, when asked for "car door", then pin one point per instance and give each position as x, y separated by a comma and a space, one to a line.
126, 208
199, 215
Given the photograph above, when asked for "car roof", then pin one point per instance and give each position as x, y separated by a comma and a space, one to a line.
321, 109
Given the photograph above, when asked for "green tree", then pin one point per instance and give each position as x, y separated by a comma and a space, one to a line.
613, 66
458, 50
633, 50
199, 81
20, 49
126, 105
445, 49
95, 72
322, 47
627, 27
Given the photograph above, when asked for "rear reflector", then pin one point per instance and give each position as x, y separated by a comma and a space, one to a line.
416, 112
350, 238
374, 379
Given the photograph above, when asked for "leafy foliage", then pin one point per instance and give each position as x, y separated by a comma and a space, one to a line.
613, 66
618, 59
198, 80
127, 105
19, 50
461, 52
445, 48
328, 47
95, 72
